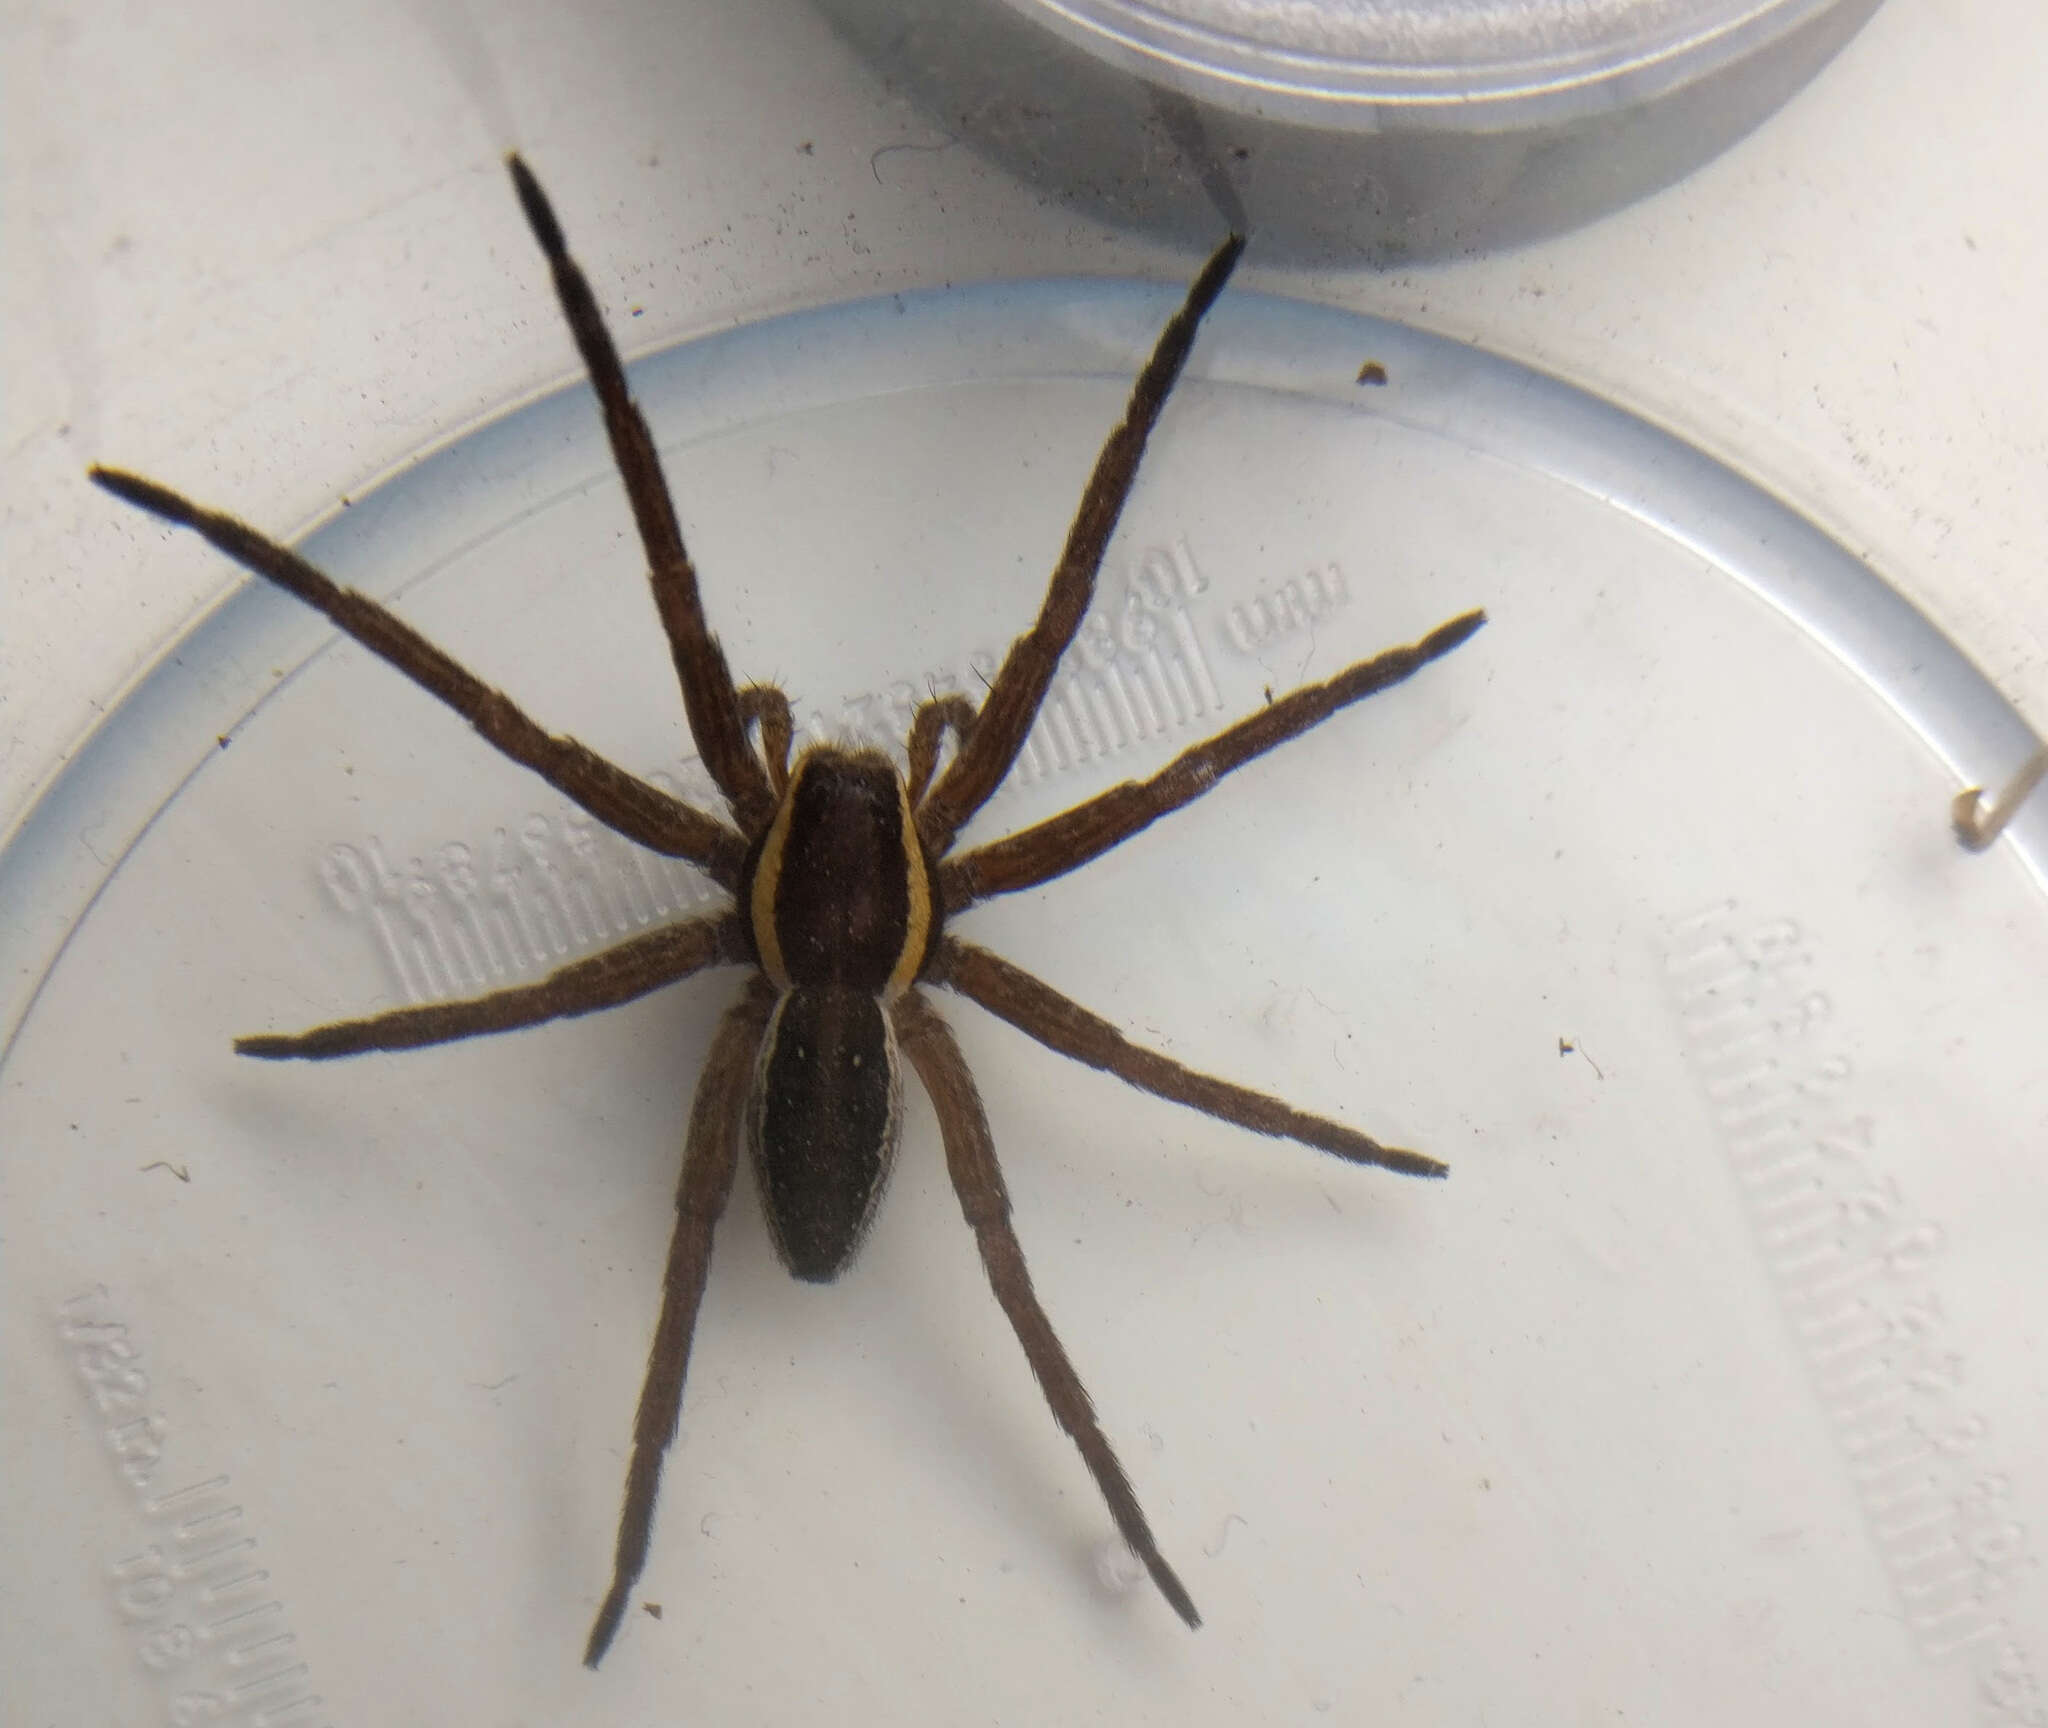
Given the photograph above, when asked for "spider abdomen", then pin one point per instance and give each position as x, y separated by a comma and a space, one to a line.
837, 890
823, 1122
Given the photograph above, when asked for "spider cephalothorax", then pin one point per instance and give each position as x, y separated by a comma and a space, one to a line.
844, 878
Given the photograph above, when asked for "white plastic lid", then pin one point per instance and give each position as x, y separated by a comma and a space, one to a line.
1693, 1396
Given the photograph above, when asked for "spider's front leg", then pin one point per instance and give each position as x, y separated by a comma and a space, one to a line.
1005, 717
710, 699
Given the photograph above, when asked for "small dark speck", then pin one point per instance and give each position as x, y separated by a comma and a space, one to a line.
1238, 153
651, 1609
223, 740
1372, 372
639, 311
347, 503
1269, 695
805, 148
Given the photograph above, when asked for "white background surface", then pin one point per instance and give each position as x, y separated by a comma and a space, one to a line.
265, 253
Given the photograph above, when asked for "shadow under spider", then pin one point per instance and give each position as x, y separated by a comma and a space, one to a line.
843, 879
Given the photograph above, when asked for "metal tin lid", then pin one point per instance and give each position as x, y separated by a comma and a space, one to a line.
1462, 65
1342, 134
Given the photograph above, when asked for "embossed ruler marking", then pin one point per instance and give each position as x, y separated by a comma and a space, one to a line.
1856, 1261
472, 916
193, 1599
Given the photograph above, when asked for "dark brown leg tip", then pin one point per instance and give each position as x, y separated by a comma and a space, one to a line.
1461, 628
540, 214
143, 494
605, 1630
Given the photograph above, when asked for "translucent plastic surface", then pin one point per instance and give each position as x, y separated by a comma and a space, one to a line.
1700, 1393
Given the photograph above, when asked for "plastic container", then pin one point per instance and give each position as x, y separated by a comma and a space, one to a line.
1348, 133
1692, 1396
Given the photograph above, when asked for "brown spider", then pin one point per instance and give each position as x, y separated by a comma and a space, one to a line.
842, 878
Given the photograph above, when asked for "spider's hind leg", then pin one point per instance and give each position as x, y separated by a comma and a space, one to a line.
710, 1157
985, 1199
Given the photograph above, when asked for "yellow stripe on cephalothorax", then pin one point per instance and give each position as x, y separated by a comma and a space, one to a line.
918, 926
761, 903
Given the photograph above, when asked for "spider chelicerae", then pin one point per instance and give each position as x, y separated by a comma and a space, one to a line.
844, 881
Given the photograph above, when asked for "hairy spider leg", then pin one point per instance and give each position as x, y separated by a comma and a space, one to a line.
1035, 1008
985, 1200
1013, 700
1064, 842
621, 801
710, 1156
709, 697
620, 974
